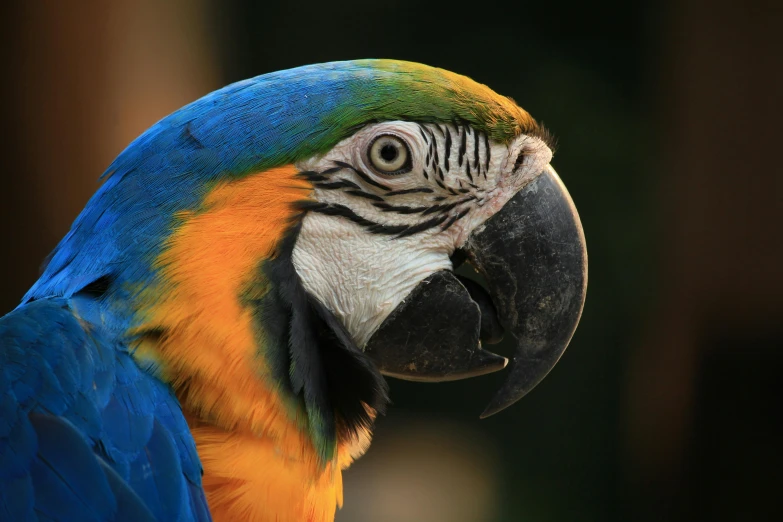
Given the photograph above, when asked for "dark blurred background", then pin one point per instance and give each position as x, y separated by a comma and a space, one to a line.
667, 405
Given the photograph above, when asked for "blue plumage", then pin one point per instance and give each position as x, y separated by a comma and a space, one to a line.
84, 433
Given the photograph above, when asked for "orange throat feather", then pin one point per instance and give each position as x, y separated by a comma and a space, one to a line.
259, 462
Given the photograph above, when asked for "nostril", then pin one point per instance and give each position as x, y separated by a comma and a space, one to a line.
520, 159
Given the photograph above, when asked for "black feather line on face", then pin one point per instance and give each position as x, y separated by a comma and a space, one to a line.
342, 183
422, 190
442, 208
463, 145
436, 159
311, 355
365, 177
456, 218
424, 135
333, 209
399, 209
313, 177
343, 211
487, 158
425, 225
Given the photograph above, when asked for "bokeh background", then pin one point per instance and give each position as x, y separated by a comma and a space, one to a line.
668, 404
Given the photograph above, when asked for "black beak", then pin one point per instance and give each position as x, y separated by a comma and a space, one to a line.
532, 253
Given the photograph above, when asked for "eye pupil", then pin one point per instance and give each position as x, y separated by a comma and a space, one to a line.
389, 152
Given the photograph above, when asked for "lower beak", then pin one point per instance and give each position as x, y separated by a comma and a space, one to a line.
533, 256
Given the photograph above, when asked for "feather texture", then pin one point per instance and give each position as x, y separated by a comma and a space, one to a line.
84, 433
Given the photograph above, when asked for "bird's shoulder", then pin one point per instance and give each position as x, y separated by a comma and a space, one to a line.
85, 433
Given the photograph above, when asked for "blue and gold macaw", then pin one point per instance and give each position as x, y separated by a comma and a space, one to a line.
209, 339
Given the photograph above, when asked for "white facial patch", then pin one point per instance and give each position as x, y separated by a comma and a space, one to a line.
378, 229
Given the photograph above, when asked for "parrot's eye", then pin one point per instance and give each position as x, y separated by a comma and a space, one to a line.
389, 154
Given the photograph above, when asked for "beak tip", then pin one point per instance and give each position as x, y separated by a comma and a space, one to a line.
492, 409
486, 413
499, 403
503, 399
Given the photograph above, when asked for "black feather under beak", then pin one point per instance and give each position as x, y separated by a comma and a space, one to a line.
533, 255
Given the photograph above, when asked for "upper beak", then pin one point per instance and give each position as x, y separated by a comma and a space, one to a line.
533, 256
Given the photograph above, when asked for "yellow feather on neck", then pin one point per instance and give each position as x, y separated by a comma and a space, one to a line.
259, 464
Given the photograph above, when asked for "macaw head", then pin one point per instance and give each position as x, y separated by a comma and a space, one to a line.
399, 204
298, 232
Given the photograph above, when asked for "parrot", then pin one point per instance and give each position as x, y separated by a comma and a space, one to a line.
210, 339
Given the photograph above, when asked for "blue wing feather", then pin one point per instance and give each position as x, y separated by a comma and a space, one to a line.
68, 481
130, 507
85, 434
